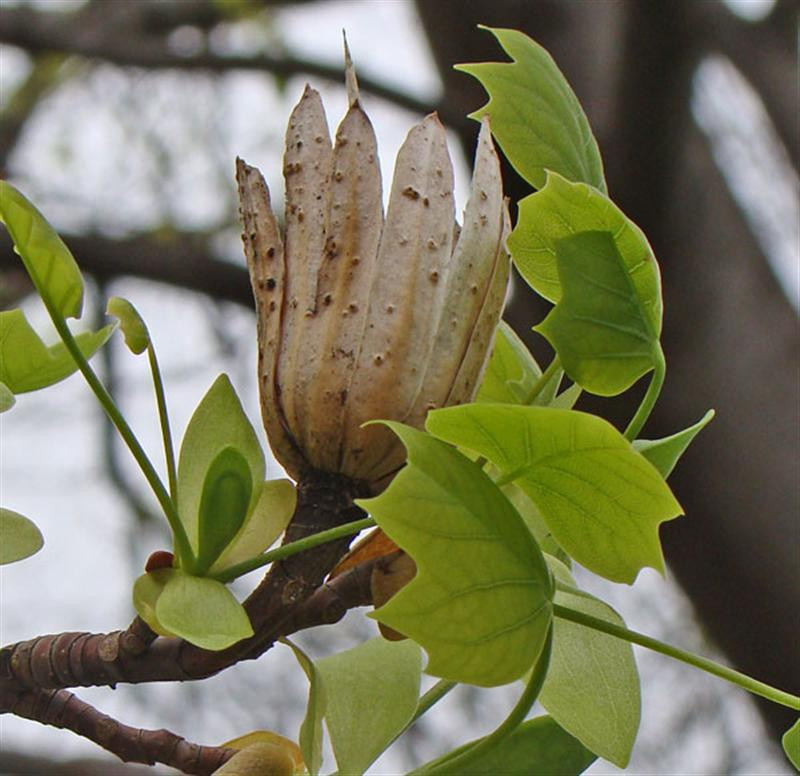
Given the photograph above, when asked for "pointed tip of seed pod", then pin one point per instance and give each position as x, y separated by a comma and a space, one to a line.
349, 74
243, 169
433, 118
309, 92
485, 140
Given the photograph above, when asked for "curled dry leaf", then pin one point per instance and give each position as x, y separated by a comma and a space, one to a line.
388, 579
375, 544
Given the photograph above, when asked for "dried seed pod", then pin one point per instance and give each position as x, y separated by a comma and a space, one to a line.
359, 319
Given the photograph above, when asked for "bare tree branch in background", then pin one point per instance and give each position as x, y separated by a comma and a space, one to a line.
765, 52
37, 33
35, 765
181, 259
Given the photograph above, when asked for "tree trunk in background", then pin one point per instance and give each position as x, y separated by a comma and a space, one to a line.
730, 335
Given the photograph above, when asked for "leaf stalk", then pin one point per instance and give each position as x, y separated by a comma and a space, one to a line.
292, 548
704, 664
163, 417
650, 397
459, 762
182, 544
543, 380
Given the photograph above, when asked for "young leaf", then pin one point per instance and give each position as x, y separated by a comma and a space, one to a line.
19, 537
258, 759
511, 372
223, 505
536, 118
592, 687
218, 422
791, 744
530, 513
27, 364
7, 400
146, 591
480, 602
538, 747
372, 692
601, 327
311, 729
47, 260
267, 521
281, 748
561, 209
566, 399
202, 611
602, 500
664, 453
134, 329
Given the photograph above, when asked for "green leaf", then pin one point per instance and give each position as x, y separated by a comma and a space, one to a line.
480, 603
202, 611
602, 500
562, 209
218, 422
530, 513
146, 592
7, 400
566, 399
536, 118
47, 260
372, 692
600, 328
261, 759
223, 505
538, 747
19, 537
267, 521
134, 329
592, 688
27, 364
664, 453
271, 754
511, 372
791, 744
311, 729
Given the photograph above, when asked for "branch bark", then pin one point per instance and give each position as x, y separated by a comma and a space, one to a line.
62, 709
33, 674
135, 655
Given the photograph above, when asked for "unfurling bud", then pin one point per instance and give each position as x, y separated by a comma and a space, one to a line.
360, 318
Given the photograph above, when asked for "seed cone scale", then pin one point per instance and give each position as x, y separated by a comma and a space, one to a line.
363, 318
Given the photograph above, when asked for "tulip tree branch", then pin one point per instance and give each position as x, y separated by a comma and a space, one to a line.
136, 655
32, 672
324, 501
62, 709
